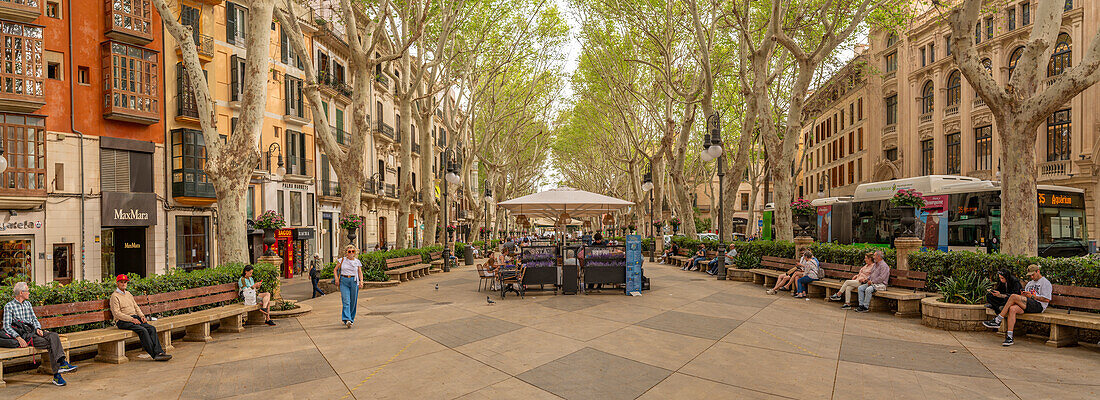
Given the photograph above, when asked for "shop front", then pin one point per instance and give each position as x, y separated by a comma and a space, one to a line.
19, 244
292, 245
127, 219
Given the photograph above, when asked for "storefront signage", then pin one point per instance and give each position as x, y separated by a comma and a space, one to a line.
1061, 200
129, 209
20, 225
284, 234
131, 245
294, 186
303, 233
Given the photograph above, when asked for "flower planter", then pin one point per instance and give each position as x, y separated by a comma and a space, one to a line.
803, 222
908, 219
952, 317
269, 240
351, 234
301, 310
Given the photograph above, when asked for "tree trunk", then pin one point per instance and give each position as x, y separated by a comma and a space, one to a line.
232, 232
429, 210
782, 181
1019, 205
680, 187
406, 190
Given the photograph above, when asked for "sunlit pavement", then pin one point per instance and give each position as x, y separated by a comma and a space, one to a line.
690, 337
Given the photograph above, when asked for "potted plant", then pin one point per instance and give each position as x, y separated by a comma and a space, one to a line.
657, 226
961, 306
675, 222
802, 211
451, 228
351, 222
269, 221
907, 201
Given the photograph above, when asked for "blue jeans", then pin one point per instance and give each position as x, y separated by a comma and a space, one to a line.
695, 262
865, 292
800, 285
712, 268
349, 297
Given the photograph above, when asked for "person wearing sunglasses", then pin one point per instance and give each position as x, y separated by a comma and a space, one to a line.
349, 277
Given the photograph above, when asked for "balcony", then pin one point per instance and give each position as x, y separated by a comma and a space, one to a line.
416, 148
926, 118
391, 190
193, 192
299, 116
371, 186
302, 167
205, 46
332, 85
889, 129
330, 188
978, 102
384, 130
1054, 170
22, 89
382, 81
129, 21
442, 142
128, 96
342, 137
951, 110
21, 10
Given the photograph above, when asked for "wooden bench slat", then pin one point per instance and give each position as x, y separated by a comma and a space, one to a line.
1077, 291
190, 302
193, 292
1075, 302
75, 319
69, 308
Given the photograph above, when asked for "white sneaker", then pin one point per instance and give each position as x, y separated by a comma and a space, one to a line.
347, 324
771, 291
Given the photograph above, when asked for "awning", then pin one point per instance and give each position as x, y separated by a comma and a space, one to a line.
553, 203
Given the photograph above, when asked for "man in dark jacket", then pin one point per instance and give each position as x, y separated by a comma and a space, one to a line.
315, 275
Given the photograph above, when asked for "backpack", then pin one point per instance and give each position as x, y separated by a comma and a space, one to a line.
8, 341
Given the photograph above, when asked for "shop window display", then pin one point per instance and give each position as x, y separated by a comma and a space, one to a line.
16, 257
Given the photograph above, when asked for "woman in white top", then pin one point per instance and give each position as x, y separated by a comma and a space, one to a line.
349, 276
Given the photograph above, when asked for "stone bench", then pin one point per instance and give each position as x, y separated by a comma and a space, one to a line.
904, 286
111, 341
1063, 316
406, 268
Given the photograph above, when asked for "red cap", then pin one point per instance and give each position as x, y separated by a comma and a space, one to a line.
122, 278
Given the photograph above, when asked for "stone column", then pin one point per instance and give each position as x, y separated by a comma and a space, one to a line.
906, 245
277, 262
801, 243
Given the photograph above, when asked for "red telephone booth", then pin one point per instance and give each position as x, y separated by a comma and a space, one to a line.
284, 245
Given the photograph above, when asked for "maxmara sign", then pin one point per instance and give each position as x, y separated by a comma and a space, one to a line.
129, 209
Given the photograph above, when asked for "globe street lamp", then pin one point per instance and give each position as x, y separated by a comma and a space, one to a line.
453, 178
647, 185
712, 148
3, 160
279, 170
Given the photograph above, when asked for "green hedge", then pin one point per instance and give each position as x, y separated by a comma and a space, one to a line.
1074, 271
750, 253
77, 291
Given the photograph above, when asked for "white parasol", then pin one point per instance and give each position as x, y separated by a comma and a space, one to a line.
572, 202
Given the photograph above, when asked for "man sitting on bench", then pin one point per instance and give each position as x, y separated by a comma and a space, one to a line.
128, 316
21, 323
851, 284
670, 251
1032, 300
693, 264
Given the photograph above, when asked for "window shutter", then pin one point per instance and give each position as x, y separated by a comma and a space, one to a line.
284, 45
234, 78
230, 22
286, 95
114, 170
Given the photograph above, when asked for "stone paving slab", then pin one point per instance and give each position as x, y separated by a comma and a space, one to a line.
701, 326
466, 330
954, 360
258, 374
593, 374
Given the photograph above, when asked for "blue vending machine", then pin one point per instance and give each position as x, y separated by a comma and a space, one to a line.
633, 264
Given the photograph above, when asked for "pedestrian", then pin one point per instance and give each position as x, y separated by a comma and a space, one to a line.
21, 324
315, 274
348, 274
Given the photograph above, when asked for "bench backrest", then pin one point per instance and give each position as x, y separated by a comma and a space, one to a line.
915, 280
685, 252
86, 312
778, 263
436, 255
839, 271
1076, 297
403, 262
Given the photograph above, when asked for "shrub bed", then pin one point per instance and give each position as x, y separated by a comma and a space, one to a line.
78, 291
750, 253
374, 263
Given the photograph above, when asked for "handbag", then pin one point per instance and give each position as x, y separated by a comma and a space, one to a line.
249, 295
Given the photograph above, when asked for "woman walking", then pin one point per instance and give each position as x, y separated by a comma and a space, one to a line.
349, 276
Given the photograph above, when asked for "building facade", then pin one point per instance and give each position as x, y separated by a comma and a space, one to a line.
922, 117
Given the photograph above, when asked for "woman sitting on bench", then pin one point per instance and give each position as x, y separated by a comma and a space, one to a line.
669, 252
805, 264
247, 281
851, 284
693, 264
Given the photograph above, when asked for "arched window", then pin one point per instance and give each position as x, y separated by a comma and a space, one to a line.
954, 88
927, 97
1013, 59
1063, 56
988, 65
891, 39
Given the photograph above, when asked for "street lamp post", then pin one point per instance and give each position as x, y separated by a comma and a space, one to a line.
647, 185
712, 148
453, 178
488, 199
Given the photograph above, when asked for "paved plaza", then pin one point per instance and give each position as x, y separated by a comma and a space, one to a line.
691, 337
